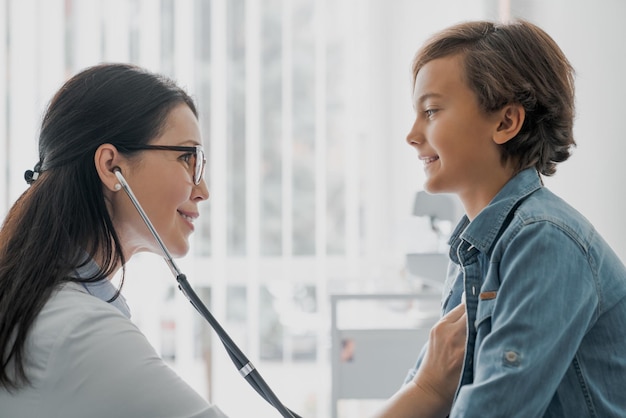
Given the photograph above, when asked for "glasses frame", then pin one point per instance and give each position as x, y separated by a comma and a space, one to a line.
197, 150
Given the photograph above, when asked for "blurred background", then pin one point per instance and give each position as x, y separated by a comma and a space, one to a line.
304, 107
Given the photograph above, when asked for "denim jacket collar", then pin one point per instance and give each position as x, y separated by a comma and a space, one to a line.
482, 232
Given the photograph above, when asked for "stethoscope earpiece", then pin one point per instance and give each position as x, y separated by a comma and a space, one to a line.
122, 181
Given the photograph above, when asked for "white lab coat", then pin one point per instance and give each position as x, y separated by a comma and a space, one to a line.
85, 358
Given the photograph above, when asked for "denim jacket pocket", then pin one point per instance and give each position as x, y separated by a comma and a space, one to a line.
486, 303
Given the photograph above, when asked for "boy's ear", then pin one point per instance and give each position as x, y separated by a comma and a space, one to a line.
106, 159
511, 120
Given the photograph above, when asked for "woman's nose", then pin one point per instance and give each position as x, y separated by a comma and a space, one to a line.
201, 191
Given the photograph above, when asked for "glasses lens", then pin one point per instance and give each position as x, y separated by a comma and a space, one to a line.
199, 165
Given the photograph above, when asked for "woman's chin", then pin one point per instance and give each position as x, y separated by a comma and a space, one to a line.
177, 249
180, 251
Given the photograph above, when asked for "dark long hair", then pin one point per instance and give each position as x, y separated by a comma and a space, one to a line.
519, 63
63, 215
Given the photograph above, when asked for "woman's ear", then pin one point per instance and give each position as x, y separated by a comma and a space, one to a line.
106, 159
511, 121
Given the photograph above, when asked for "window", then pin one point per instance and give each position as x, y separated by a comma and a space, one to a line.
300, 147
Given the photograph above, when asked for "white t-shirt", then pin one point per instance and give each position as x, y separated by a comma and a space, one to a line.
86, 359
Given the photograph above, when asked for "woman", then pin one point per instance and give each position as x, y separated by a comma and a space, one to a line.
68, 346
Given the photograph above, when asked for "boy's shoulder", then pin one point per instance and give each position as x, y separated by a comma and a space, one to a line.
543, 207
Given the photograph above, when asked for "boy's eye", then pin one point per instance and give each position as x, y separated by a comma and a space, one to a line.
430, 113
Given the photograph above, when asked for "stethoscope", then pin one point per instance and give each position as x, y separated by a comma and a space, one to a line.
245, 367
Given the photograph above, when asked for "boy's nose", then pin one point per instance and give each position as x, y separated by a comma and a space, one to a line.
414, 137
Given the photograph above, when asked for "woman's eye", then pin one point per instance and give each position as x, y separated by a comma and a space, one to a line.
186, 157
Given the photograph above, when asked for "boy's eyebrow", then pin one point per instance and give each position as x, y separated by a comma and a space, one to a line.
425, 97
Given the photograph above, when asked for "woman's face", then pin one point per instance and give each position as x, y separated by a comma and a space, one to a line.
162, 181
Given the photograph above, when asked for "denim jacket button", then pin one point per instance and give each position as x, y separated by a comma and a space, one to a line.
511, 357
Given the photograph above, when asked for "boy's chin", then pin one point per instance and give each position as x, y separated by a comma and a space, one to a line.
432, 187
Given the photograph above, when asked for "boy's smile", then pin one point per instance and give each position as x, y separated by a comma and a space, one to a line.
454, 137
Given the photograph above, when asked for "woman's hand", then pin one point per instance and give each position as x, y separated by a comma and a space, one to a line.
440, 371
431, 392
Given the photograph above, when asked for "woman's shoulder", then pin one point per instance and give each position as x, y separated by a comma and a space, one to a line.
70, 308
77, 292
84, 354
71, 321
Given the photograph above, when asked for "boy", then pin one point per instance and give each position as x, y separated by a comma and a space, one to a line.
545, 295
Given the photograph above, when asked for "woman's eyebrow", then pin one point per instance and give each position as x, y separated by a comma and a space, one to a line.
190, 142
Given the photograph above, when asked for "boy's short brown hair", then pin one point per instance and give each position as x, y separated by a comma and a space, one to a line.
515, 63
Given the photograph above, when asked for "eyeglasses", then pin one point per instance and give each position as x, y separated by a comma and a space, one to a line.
196, 151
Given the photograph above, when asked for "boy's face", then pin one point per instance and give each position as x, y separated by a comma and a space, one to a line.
453, 136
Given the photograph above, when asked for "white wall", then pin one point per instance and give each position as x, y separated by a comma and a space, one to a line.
591, 35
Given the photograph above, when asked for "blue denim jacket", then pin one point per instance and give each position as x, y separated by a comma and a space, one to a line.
546, 304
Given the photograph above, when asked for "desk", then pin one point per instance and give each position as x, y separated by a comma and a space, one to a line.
372, 362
